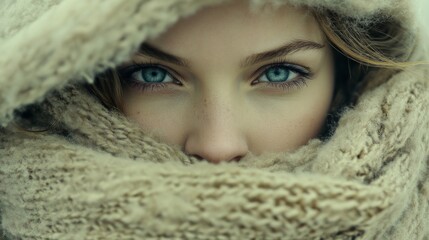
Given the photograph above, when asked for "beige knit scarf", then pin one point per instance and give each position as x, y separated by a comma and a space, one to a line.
97, 175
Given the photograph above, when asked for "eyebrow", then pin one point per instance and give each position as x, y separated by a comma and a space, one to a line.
297, 45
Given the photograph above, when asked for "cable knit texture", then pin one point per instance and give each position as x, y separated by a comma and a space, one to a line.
99, 176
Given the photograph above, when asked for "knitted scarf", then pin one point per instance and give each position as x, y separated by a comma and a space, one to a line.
96, 175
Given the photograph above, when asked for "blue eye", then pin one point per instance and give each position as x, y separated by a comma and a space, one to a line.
152, 74
278, 74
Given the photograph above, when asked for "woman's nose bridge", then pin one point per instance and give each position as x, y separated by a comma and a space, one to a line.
214, 118
218, 113
216, 134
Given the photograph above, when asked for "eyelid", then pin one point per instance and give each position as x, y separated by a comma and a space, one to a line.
281, 61
150, 62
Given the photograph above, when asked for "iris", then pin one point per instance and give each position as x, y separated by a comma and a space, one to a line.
153, 74
277, 74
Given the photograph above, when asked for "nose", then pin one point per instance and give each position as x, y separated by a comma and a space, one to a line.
216, 134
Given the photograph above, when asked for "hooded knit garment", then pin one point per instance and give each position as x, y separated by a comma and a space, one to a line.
97, 175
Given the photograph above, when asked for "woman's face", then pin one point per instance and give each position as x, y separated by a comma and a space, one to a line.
245, 82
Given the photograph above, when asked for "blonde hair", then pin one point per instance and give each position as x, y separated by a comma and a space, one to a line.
362, 46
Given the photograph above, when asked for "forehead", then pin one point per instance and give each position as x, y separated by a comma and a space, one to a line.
232, 27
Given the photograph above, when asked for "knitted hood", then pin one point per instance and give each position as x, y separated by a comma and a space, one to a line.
99, 176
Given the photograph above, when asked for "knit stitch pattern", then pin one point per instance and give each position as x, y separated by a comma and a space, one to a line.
97, 175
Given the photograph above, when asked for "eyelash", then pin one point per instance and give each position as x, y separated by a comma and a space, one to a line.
304, 74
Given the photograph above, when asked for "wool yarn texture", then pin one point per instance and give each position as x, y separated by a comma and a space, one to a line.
97, 175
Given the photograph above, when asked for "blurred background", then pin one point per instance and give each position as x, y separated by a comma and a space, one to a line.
423, 8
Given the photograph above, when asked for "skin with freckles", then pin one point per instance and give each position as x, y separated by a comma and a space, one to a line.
219, 110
